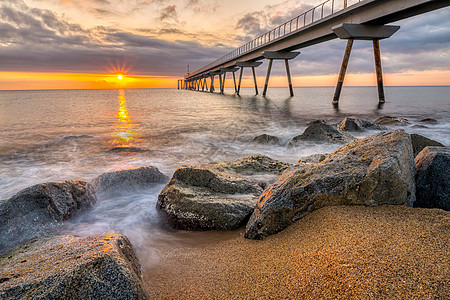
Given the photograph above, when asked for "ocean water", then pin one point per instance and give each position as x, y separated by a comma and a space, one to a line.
80, 134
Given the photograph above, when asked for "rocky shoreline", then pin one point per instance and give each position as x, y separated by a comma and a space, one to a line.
264, 195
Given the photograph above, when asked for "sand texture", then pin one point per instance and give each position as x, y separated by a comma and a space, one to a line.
345, 252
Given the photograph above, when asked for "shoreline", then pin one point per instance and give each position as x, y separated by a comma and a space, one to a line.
336, 252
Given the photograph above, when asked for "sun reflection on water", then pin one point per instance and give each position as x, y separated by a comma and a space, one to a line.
125, 133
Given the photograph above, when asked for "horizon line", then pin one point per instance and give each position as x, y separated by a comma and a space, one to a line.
175, 88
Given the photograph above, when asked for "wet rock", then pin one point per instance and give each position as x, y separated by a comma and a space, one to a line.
419, 142
68, 267
316, 122
217, 196
321, 132
391, 121
373, 171
429, 121
39, 209
266, 139
419, 126
129, 180
311, 159
433, 177
127, 150
358, 125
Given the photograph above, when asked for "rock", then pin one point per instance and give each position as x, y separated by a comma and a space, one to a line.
391, 121
39, 209
429, 121
129, 180
357, 125
373, 171
316, 122
69, 267
311, 159
419, 142
419, 126
127, 150
217, 196
433, 177
321, 132
266, 139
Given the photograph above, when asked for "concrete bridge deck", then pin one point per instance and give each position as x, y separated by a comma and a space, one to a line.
316, 26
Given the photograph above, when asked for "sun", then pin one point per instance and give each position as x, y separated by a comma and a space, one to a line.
120, 77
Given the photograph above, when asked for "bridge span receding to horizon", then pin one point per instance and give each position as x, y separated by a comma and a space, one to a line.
345, 19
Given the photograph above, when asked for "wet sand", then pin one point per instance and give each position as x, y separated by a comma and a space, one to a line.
387, 252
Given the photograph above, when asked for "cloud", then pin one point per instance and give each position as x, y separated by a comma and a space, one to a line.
169, 13
254, 24
33, 39
38, 40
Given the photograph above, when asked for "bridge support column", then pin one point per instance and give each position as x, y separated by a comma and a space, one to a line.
266, 84
249, 64
363, 32
213, 74
377, 55
286, 56
211, 90
288, 72
205, 83
225, 71
337, 92
254, 80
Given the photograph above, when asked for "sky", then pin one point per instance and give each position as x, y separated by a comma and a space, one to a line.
63, 44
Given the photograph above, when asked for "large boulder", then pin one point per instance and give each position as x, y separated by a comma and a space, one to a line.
358, 125
129, 180
391, 121
373, 171
69, 267
217, 196
419, 142
266, 139
39, 209
433, 178
322, 132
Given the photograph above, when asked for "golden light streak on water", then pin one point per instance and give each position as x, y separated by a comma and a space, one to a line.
125, 134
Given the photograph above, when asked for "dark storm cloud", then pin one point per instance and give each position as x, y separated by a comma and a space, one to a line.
251, 24
37, 40
257, 23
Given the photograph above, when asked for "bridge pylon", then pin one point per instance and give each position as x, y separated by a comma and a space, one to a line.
248, 64
352, 32
225, 71
279, 55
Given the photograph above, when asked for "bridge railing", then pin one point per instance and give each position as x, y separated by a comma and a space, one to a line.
323, 10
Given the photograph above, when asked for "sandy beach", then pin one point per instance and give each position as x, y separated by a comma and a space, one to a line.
346, 252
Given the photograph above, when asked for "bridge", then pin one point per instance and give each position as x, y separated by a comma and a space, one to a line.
345, 19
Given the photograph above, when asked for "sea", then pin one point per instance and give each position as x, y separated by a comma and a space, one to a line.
56, 135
